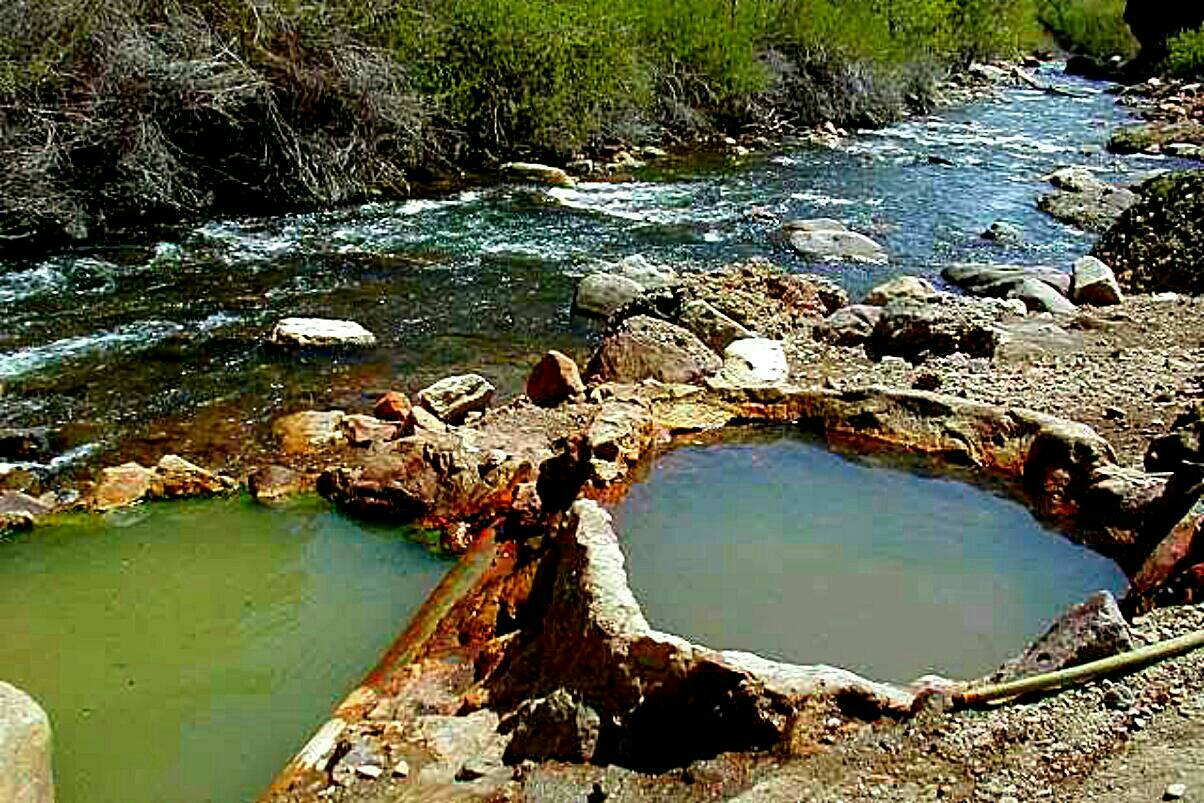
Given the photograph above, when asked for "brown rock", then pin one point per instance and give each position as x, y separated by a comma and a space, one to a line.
309, 431
123, 486
554, 380
647, 348
394, 406
272, 484
365, 430
1086, 632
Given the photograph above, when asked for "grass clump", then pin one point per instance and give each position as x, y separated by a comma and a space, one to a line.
132, 111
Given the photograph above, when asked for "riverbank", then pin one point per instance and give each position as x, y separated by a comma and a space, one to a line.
553, 610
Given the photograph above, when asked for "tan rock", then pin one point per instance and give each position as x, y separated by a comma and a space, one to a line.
453, 398
123, 486
25, 748
177, 478
309, 431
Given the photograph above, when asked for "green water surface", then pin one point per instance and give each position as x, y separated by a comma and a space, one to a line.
781, 547
185, 652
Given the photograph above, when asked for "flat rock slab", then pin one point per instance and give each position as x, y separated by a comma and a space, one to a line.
755, 361
821, 240
321, 333
453, 398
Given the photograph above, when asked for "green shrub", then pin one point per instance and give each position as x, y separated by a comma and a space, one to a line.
1185, 54
1091, 27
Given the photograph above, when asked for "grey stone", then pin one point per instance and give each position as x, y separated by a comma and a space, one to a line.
320, 332
1040, 297
711, 326
1003, 232
997, 281
453, 398
1095, 283
850, 326
17, 502
25, 749
556, 727
453, 742
1082, 199
755, 361
1174, 791
820, 240
900, 289
599, 295
918, 331
648, 348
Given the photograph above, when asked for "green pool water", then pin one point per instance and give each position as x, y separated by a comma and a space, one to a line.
781, 547
185, 652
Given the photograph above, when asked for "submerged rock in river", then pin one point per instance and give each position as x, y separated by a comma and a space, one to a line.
1081, 199
309, 431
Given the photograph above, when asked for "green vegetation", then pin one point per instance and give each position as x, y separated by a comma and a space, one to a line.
1091, 27
1185, 54
131, 111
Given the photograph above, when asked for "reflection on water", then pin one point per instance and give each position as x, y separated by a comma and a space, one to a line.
184, 652
788, 550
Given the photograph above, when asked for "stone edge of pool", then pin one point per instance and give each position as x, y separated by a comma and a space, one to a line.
548, 609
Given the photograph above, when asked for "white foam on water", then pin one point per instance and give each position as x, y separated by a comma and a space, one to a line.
133, 337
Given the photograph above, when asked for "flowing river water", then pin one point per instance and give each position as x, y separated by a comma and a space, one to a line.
185, 652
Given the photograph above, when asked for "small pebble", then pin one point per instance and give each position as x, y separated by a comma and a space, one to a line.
1174, 792
401, 769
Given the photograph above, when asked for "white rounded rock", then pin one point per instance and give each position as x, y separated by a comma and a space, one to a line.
319, 332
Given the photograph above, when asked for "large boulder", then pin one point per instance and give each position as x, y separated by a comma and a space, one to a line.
602, 293
25, 746
1086, 632
831, 241
918, 331
850, 326
648, 348
1155, 246
1183, 444
453, 398
1081, 199
1038, 296
1002, 281
553, 728
1095, 283
320, 333
309, 431
711, 326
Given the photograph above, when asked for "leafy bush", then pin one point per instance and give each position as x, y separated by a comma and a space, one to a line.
1185, 54
1091, 27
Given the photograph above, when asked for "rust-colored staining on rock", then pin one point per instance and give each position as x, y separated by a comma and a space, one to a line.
554, 380
394, 406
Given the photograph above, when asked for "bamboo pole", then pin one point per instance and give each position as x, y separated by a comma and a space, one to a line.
1124, 662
